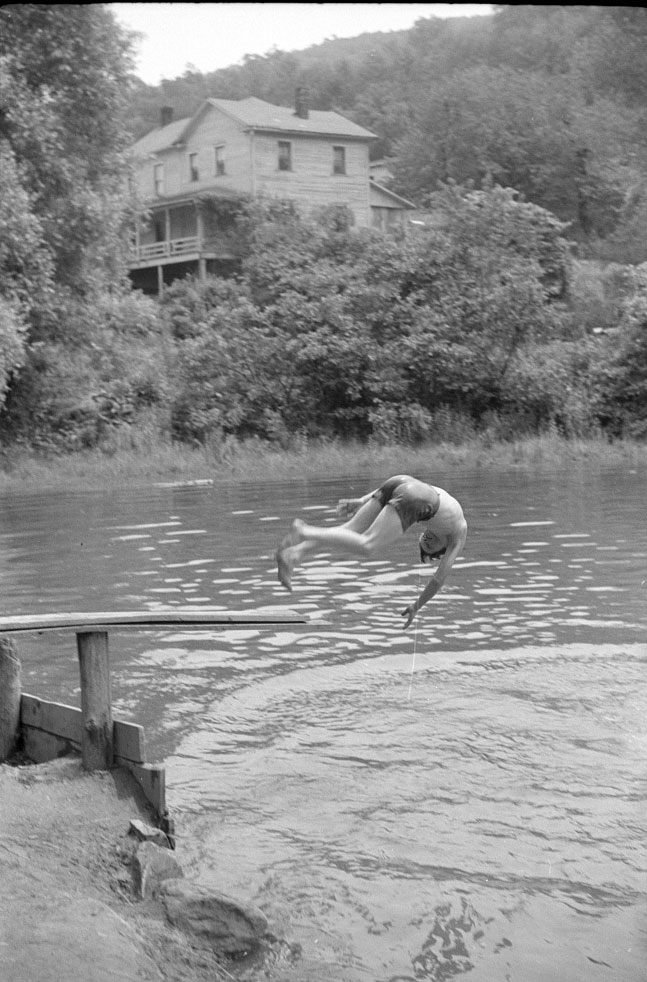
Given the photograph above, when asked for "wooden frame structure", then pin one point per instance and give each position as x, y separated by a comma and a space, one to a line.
51, 729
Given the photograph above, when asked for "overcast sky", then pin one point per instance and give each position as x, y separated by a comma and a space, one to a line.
208, 36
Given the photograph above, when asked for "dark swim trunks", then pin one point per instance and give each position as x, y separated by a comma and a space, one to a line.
413, 500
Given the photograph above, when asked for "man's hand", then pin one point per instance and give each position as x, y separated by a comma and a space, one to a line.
409, 612
346, 507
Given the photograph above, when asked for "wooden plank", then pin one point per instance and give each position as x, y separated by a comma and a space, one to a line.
149, 619
129, 741
40, 746
52, 729
10, 685
56, 718
65, 723
152, 780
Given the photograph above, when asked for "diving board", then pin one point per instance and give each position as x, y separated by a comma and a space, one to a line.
199, 619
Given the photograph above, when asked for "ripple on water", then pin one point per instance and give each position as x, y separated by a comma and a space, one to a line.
504, 783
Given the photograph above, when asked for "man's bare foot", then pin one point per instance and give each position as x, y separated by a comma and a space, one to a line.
284, 568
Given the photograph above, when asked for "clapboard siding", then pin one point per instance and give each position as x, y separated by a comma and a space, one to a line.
311, 182
172, 159
213, 129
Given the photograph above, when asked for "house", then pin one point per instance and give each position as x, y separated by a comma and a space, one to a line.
380, 171
192, 173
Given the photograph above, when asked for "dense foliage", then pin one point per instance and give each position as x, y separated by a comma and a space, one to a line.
332, 331
65, 307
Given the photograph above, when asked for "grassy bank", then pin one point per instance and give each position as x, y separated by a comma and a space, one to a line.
159, 462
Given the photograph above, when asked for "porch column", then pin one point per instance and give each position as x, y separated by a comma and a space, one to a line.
199, 227
160, 280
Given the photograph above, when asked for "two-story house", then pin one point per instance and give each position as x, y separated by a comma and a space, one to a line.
191, 172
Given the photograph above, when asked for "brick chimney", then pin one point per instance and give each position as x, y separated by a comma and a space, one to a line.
166, 115
302, 97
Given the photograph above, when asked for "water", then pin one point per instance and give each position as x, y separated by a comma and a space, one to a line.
467, 797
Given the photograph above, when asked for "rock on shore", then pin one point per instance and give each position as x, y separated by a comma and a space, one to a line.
84, 899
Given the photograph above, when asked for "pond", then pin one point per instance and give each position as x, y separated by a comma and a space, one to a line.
466, 797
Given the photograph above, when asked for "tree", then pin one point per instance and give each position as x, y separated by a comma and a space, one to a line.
64, 76
64, 210
348, 332
26, 269
531, 131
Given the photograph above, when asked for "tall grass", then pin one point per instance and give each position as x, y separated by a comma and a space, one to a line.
153, 460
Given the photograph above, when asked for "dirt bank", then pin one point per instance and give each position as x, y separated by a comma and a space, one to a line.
67, 909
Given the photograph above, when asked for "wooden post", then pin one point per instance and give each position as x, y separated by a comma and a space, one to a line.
9, 697
97, 747
199, 227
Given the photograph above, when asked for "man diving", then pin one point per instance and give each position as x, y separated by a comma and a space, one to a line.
379, 518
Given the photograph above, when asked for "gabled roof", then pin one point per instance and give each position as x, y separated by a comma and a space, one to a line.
381, 196
260, 115
255, 114
161, 138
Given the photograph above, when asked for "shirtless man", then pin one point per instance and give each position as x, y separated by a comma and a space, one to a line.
373, 526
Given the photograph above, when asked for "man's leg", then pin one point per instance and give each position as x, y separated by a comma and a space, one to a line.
291, 554
364, 516
386, 528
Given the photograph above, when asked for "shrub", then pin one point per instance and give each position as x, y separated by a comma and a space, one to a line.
12, 343
105, 364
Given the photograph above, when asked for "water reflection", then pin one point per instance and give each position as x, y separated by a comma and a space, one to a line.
466, 797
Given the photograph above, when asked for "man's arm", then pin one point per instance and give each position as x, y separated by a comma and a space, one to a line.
437, 580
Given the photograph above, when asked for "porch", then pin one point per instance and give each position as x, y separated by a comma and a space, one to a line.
179, 239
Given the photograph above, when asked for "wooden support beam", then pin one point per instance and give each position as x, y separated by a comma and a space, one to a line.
97, 746
52, 729
9, 697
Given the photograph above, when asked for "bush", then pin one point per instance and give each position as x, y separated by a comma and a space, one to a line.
621, 372
12, 343
598, 291
104, 365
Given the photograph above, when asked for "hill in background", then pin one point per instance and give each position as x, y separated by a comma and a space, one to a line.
549, 100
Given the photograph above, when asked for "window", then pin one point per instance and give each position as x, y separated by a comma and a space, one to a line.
339, 160
194, 173
219, 161
158, 178
285, 155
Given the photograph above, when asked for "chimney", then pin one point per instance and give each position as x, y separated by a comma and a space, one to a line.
166, 115
301, 102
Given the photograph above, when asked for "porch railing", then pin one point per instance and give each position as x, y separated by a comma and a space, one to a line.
161, 250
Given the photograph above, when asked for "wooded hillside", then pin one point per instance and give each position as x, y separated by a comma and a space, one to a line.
549, 100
